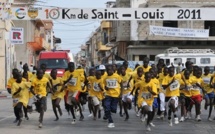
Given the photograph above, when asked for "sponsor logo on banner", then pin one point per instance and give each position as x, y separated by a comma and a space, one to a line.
20, 13
33, 13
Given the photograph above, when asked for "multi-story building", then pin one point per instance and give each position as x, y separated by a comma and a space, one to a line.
133, 39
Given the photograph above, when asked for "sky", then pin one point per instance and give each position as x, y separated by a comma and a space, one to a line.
74, 33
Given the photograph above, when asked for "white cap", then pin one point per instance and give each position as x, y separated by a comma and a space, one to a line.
101, 67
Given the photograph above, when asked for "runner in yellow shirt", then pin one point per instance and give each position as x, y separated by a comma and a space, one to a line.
185, 87
138, 76
146, 97
113, 89
171, 84
97, 93
39, 90
209, 96
72, 79
126, 91
58, 93
154, 79
12, 80
196, 92
128, 70
20, 94
145, 66
89, 87
162, 93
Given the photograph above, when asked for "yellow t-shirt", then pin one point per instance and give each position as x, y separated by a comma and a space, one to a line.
136, 78
113, 84
23, 95
57, 93
196, 90
160, 79
125, 80
129, 71
75, 83
173, 89
10, 82
206, 84
157, 83
144, 69
89, 86
144, 95
95, 90
40, 86
189, 82
213, 81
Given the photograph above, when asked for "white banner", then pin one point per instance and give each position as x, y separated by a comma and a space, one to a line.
21, 13
179, 32
17, 35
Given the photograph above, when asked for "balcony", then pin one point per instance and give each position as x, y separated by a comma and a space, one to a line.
39, 44
102, 47
105, 24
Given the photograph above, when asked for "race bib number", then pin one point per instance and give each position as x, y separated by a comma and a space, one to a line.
73, 82
196, 88
188, 88
124, 85
206, 80
147, 96
111, 83
96, 87
174, 86
15, 101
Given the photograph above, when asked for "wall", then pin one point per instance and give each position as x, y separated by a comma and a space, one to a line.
123, 27
22, 51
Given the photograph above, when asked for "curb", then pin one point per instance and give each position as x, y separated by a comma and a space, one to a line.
4, 94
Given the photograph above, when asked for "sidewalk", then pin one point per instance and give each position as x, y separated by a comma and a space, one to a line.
4, 94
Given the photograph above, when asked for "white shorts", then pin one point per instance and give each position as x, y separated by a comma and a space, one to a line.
145, 104
95, 101
127, 96
175, 98
71, 96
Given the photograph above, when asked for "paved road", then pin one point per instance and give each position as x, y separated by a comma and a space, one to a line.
89, 126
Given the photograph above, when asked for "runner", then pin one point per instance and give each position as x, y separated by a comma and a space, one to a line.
136, 77
58, 93
196, 92
39, 90
126, 89
154, 79
162, 94
89, 89
97, 93
72, 79
185, 94
171, 85
147, 90
113, 89
20, 94
209, 96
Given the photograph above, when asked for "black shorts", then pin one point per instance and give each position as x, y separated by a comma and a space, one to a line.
167, 99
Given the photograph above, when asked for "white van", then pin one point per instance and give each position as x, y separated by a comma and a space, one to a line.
199, 57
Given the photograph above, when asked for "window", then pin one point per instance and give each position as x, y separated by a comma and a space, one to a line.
152, 57
167, 62
141, 57
54, 63
205, 60
170, 23
193, 60
177, 60
211, 26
